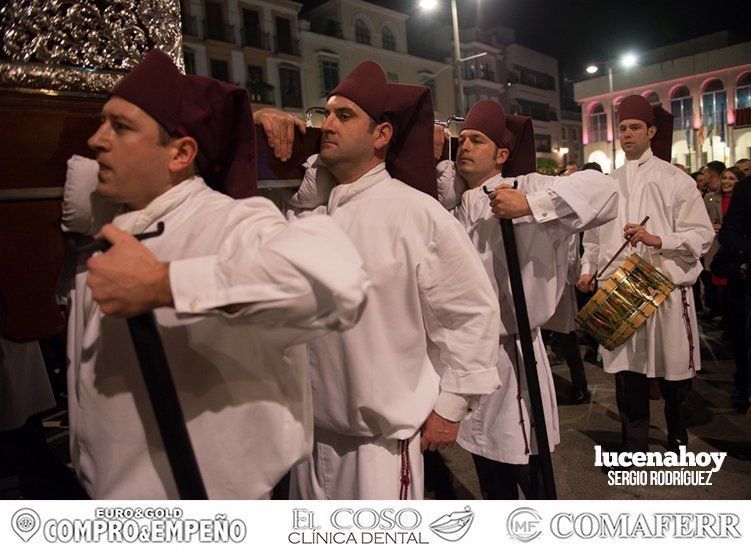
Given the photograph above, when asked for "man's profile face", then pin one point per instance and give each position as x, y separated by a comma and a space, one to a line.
477, 155
745, 167
634, 136
349, 133
132, 164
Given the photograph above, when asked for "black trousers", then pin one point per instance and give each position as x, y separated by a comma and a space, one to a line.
567, 346
502, 480
632, 397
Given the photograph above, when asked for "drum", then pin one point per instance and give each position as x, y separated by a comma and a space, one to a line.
624, 302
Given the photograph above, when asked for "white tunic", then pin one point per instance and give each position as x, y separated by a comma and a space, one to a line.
431, 321
242, 380
653, 187
500, 428
426, 341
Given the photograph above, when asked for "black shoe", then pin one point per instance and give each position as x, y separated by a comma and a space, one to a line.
580, 395
675, 443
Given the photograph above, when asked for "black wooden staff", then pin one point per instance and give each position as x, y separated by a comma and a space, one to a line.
163, 396
528, 354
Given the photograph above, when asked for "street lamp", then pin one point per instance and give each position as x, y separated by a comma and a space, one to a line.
626, 61
431, 4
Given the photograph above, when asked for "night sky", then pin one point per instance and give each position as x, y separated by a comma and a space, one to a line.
577, 31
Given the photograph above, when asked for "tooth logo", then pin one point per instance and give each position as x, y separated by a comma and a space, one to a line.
454, 526
25, 523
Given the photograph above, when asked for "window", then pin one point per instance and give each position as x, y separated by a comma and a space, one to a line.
486, 73
564, 132
219, 69
289, 81
536, 110
714, 108
542, 142
388, 39
190, 61
682, 108
251, 29
284, 42
362, 32
260, 91
392, 77
598, 123
329, 76
426, 79
743, 92
214, 21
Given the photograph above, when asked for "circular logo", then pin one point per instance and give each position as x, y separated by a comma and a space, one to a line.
25, 523
524, 524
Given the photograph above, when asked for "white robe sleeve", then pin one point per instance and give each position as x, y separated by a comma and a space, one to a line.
591, 243
583, 200
315, 187
303, 274
693, 233
450, 185
462, 320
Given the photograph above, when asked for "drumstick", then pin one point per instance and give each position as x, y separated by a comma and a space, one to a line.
643, 222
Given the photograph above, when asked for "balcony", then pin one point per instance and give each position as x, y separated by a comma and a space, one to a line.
471, 74
290, 46
541, 82
221, 33
743, 117
253, 38
260, 92
189, 25
329, 27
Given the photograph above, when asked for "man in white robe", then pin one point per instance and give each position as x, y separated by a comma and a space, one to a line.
546, 211
239, 368
426, 345
674, 239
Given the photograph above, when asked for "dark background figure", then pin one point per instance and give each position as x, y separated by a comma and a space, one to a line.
698, 176
711, 176
717, 208
735, 238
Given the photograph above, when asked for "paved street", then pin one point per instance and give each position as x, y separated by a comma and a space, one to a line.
713, 426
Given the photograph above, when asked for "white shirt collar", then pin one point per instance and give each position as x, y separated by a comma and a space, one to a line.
137, 221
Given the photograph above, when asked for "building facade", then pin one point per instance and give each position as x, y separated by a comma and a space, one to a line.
524, 81
254, 44
705, 83
338, 35
533, 91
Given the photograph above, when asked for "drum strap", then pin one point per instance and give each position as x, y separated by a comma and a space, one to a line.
405, 479
689, 332
519, 396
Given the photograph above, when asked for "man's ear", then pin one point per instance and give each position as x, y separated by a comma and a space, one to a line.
501, 156
183, 152
651, 131
384, 134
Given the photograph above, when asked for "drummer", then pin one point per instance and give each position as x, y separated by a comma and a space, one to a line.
677, 234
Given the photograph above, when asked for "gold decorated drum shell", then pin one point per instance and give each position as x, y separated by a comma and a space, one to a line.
624, 302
